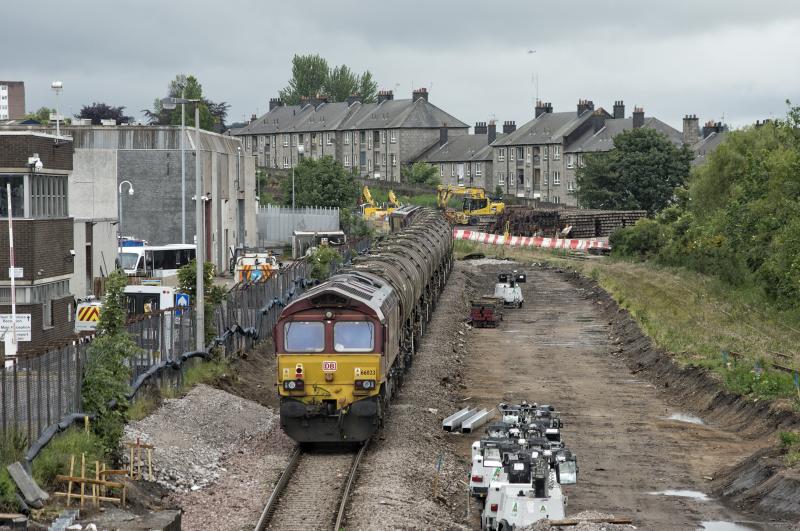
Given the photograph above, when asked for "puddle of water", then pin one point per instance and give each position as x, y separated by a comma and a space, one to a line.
694, 494
725, 526
685, 417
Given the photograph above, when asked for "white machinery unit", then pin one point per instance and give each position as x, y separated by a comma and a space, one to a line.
529, 494
508, 288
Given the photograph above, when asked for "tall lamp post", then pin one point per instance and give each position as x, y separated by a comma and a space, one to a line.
119, 206
57, 87
169, 104
300, 150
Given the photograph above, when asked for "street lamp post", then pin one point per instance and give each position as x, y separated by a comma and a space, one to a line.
300, 150
119, 206
171, 103
57, 87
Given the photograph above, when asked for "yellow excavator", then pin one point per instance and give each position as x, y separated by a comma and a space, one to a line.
476, 209
371, 211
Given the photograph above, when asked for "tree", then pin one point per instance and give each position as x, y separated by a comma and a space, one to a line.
367, 88
322, 260
42, 115
107, 375
421, 173
312, 76
641, 172
102, 111
212, 115
214, 293
321, 183
309, 75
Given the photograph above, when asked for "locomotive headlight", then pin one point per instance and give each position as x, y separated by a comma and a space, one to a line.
365, 385
294, 385
290, 384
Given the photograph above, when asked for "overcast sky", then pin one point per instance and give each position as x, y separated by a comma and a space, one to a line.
737, 59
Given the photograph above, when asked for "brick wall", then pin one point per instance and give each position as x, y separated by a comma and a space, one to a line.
15, 150
41, 248
43, 339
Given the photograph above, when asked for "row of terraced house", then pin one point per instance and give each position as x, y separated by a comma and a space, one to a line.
538, 160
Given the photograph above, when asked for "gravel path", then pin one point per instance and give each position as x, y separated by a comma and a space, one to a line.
395, 486
219, 454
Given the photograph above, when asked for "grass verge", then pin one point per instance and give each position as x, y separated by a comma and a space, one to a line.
695, 317
790, 442
55, 457
12, 448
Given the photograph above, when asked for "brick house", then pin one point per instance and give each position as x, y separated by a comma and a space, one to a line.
373, 139
43, 234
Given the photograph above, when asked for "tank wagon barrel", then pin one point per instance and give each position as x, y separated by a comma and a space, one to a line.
344, 346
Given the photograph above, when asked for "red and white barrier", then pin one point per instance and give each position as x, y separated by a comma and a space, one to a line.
532, 241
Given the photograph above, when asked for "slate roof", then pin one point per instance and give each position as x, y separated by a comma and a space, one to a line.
603, 140
462, 148
705, 147
549, 128
389, 114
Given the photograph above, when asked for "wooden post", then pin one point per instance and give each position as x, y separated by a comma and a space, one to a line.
83, 476
133, 475
150, 464
71, 474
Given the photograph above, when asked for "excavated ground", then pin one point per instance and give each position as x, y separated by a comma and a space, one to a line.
570, 346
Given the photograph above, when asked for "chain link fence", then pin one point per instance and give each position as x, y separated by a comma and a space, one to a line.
37, 392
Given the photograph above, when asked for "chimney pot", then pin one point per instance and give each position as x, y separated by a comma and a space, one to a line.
420, 93
480, 128
275, 102
385, 95
638, 117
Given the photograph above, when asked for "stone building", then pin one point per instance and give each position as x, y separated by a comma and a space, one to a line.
465, 160
43, 234
374, 139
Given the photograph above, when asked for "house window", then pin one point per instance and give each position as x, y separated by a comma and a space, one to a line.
347, 137
394, 159
347, 159
511, 154
511, 180
383, 137
556, 177
556, 152
441, 170
294, 140
528, 155
556, 199
571, 186
580, 161
477, 168
301, 138
393, 136
544, 153
286, 140
501, 154
369, 165
570, 161
546, 178
520, 151
285, 161
329, 138
502, 180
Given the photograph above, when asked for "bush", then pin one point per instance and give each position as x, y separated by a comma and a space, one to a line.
321, 261
8, 490
643, 240
54, 458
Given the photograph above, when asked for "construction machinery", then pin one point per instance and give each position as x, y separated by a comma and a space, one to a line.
476, 209
371, 210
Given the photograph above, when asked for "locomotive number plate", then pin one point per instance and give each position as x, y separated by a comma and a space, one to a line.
329, 366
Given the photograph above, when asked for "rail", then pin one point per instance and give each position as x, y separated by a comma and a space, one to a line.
270, 508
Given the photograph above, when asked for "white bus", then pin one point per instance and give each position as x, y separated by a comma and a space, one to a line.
155, 261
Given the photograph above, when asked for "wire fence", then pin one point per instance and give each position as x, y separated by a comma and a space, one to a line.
37, 392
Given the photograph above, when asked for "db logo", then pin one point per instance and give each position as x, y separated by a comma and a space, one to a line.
329, 366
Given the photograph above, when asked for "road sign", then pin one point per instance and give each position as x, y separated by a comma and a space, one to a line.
14, 272
23, 326
181, 301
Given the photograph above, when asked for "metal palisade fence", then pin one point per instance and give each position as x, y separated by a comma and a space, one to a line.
276, 223
37, 392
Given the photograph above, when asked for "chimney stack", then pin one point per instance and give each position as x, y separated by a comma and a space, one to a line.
598, 120
385, 95
420, 93
491, 134
713, 127
691, 129
638, 117
509, 126
585, 105
543, 108
442, 135
619, 110
253, 118
353, 98
275, 102
480, 128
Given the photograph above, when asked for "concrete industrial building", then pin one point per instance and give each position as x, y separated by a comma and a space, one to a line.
12, 100
374, 139
149, 157
43, 234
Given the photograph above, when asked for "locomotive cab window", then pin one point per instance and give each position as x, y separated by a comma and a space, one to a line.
304, 336
354, 336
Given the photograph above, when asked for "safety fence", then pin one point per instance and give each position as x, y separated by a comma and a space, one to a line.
36, 393
532, 241
276, 224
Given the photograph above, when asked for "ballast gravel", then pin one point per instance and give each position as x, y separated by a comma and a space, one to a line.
218, 454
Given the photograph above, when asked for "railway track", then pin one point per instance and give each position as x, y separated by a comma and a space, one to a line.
312, 491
